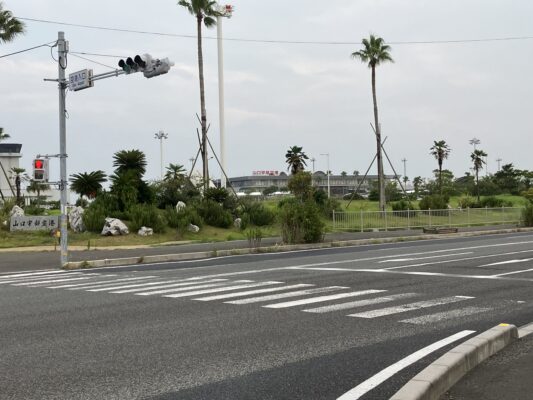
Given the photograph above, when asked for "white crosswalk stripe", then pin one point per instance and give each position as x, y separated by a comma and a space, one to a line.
181, 289
250, 292
381, 312
320, 299
37, 278
359, 303
36, 283
446, 315
222, 289
172, 285
286, 295
35, 274
94, 285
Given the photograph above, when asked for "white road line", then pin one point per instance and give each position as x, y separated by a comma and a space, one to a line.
222, 289
382, 312
320, 299
35, 274
446, 315
37, 278
359, 303
424, 258
94, 285
249, 292
376, 380
515, 272
182, 289
168, 286
286, 295
147, 285
506, 262
36, 283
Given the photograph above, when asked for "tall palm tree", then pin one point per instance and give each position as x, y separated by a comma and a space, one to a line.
88, 184
440, 150
130, 160
375, 52
37, 187
20, 176
175, 172
204, 11
9, 25
478, 158
295, 158
3, 136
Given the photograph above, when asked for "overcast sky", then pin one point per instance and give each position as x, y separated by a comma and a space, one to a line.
279, 95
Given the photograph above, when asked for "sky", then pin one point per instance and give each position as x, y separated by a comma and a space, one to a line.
278, 95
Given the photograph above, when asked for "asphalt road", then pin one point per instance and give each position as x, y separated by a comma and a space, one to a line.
301, 325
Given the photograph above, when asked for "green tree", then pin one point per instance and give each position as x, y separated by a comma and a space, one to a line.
3, 136
175, 173
9, 25
20, 176
88, 184
37, 187
127, 182
204, 11
418, 182
375, 52
477, 158
295, 159
301, 186
130, 160
440, 150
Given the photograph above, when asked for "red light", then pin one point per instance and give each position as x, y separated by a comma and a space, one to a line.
38, 164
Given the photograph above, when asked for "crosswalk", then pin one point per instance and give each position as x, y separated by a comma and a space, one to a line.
373, 303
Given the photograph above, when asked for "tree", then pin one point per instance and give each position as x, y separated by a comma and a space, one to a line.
295, 158
3, 136
375, 52
37, 187
203, 11
9, 25
418, 182
477, 158
344, 173
88, 184
130, 160
440, 150
20, 176
175, 172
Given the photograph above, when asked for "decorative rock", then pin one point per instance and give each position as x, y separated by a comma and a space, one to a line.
16, 211
144, 231
75, 218
114, 227
193, 228
180, 206
237, 223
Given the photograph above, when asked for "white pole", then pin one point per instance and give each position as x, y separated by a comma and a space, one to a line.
62, 49
161, 154
329, 173
221, 102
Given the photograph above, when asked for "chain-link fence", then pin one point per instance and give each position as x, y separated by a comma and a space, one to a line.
416, 219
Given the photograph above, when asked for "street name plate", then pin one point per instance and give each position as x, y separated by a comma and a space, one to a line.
80, 80
34, 223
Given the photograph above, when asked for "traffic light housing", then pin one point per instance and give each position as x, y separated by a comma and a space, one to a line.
40, 170
157, 67
149, 66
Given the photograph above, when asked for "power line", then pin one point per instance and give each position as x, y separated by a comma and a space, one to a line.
88, 59
458, 41
31, 48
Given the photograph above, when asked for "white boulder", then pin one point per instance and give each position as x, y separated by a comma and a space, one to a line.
193, 228
16, 211
144, 231
75, 218
180, 206
237, 223
114, 227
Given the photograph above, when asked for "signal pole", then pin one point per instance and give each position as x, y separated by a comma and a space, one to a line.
161, 135
62, 47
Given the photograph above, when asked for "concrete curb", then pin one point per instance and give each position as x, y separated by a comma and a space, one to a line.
274, 249
442, 374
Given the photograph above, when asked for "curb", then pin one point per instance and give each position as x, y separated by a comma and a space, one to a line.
443, 373
274, 249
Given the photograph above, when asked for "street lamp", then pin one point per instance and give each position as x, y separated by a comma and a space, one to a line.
161, 135
474, 142
327, 155
499, 160
223, 11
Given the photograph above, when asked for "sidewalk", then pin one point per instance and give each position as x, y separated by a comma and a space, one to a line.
508, 375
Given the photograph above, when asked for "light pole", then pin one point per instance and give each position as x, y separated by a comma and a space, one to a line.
499, 160
161, 135
223, 11
313, 161
327, 155
474, 142
404, 160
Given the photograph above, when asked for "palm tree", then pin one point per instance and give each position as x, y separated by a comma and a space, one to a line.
9, 26
88, 184
203, 11
175, 172
375, 52
478, 158
130, 160
20, 176
37, 187
3, 136
295, 158
440, 150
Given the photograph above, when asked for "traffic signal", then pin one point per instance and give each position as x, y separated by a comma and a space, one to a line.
149, 66
157, 67
40, 170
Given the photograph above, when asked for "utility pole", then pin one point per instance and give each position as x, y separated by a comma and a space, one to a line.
224, 11
499, 160
313, 161
328, 172
161, 135
62, 48
404, 160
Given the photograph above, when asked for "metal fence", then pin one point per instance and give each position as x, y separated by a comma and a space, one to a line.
416, 219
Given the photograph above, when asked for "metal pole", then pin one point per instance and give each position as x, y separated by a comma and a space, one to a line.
62, 47
221, 101
327, 172
161, 155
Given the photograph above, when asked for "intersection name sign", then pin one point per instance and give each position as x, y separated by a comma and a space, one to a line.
80, 80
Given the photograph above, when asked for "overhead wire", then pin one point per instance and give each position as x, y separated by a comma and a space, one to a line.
28, 49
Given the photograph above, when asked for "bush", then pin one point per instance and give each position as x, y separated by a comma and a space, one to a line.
468, 202
146, 215
218, 195
5, 209
182, 219
434, 202
94, 218
402, 205
82, 202
214, 214
352, 196
257, 213
493, 202
301, 222
527, 215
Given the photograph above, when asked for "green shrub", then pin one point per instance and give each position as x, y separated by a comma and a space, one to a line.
5, 210
33, 210
352, 196
434, 202
182, 219
468, 202
146, 215
214, 214
218, 195
325, 204
300, 222
402, 205
493, 202
254, 237
257, 213
245, 221
94, 218
527, 215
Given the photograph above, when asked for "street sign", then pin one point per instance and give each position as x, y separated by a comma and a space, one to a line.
80, 80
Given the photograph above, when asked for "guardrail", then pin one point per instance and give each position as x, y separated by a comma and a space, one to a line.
417, 219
